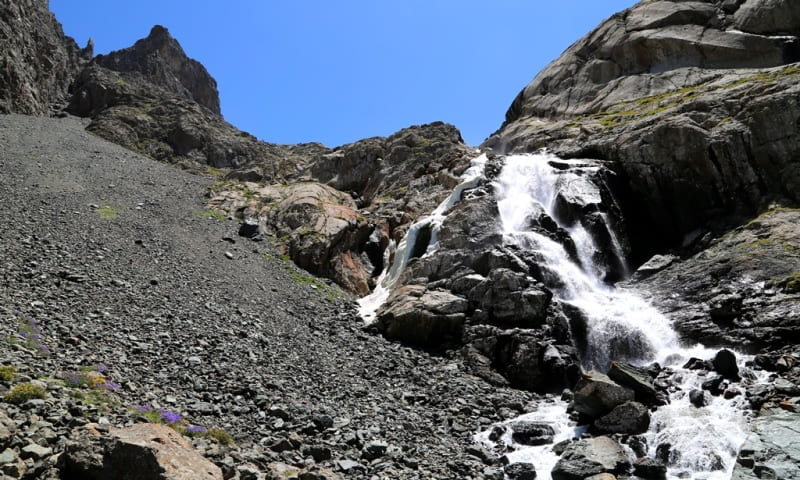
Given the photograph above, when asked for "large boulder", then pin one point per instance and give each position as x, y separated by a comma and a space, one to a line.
591, 456
596, 395
638, 380
422, 317
37, 61
146, 450
630, 418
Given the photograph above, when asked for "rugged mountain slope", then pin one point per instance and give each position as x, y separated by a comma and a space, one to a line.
37, 62
115, 258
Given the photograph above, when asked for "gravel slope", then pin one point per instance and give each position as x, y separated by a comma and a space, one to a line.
245, 343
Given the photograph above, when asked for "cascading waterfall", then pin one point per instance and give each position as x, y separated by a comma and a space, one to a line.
619, 324
389, 277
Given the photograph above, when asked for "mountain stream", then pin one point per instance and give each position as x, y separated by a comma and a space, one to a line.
620, 324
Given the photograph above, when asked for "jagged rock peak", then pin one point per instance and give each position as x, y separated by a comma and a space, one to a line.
160, 59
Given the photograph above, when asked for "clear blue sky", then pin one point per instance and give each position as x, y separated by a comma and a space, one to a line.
338, 71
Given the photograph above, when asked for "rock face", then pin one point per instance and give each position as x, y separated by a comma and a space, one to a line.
771, 450
694, 102
141, 451
155, 100
740, 290
37, 62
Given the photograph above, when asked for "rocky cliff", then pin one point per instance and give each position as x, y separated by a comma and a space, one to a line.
694, 103
694, 106
37, 62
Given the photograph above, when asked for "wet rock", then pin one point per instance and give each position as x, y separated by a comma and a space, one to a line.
145, 450
654, 265
422, 317
520, 471
698, 398
649, 468
592, 456
770, 450
532, 433
725, 363
637, 379
713, 384
630, 418
596, 395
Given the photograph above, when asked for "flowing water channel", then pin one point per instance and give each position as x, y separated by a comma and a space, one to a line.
621, 326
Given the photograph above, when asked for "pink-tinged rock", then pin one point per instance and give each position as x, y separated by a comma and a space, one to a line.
143, 451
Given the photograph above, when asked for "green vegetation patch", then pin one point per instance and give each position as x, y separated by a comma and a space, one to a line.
108, 212
8, 373
23, 392
214, 214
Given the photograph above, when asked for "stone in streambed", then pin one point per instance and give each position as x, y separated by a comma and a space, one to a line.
532, 433
596, 395
725, 363
591, 456
631, 418
638, 380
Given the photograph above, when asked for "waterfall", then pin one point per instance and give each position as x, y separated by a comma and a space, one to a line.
402, 254
619, 326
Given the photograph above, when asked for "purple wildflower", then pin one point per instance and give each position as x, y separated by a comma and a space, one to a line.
170, 417
144, 408
111, 385
196, 429
16, 312
45, 351
74, 378
100, 368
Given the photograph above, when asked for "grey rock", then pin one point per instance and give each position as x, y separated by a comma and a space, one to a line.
631, 418
596, 395
592, 456
698, 398
650, 468
520, 471
532, 433
725, 363
637, 379
35, 452
770, 451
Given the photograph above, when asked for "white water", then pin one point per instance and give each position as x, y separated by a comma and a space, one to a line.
620, 325
389, 277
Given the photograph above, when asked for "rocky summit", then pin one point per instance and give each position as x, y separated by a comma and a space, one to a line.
182, 300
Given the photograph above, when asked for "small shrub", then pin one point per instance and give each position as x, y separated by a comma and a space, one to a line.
220, 436
29, 334
7, 373
23, 392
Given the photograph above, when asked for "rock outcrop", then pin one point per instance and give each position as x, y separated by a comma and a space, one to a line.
695, 103
741, 290
139, 451
155, 100
37, 61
